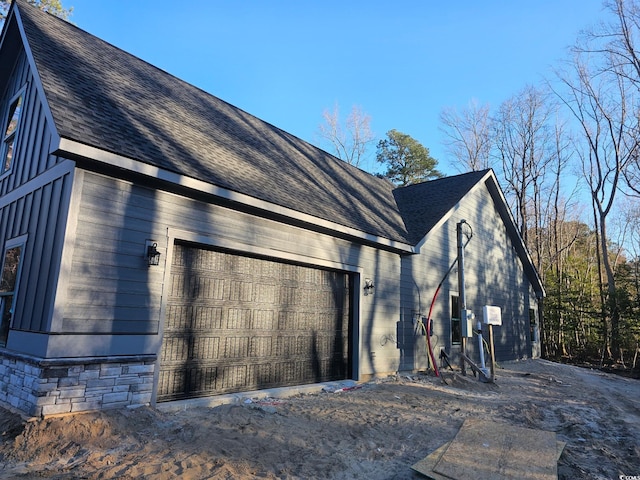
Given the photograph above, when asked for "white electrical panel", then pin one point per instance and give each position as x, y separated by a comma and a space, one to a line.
491, 315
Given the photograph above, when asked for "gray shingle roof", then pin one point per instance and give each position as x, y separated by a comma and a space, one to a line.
106, 98
424, 204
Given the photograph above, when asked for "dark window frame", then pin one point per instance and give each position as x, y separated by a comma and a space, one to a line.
456, 325
9, 287
533, 326
10, 130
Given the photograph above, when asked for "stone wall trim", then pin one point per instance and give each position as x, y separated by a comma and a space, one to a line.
40, 387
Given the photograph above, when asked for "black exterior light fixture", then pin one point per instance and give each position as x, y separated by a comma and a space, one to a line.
368, 286
153, 255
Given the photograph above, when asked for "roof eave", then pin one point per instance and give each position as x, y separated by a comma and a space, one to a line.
73, 149
523, 251
491, 182
15, 12
449, 213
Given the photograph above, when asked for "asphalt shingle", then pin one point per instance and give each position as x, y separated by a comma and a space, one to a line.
424, 204
104, 97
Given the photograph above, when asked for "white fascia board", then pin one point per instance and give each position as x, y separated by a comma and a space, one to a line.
499, 199
523, 250
71, 147
55, 138
448, 215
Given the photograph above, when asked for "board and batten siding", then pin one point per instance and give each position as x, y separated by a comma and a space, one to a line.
31, 154
111, 293
494, 275
34, 201
40, 216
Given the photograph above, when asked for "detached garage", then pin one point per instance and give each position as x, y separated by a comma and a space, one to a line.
236, 323
159, 243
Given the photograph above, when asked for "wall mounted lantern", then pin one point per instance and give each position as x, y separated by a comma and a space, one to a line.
153, 255
368, 286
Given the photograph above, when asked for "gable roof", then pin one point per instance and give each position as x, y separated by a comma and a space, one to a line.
427, 205
423, 205
105, 98
102, 99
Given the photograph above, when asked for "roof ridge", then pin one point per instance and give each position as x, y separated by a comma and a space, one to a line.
432, 182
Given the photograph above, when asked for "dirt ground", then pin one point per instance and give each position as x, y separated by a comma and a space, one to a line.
376, 430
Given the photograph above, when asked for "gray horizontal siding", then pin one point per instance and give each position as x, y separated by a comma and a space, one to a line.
141, 210
170, 210
108, 270
493, 276
79, 321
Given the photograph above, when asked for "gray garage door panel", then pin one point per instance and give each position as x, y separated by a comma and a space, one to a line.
236, 323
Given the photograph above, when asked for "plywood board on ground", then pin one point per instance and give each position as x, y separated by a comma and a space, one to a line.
428, 463
488, 450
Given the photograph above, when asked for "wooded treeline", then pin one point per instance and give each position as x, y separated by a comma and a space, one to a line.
567, 155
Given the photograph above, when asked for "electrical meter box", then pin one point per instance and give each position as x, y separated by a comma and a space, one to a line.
491, 315
466, 323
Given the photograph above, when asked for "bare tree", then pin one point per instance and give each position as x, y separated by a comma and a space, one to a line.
558, 235
525, 143
615, 45
468, 135
600, 100
350, 141
533, 147
630, 212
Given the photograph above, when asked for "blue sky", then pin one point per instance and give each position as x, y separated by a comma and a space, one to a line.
401, 62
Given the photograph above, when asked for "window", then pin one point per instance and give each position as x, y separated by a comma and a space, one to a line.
12, 120
533, 325
8, 285
456, 332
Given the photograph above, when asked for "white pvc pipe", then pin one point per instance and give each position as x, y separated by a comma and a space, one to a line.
481, 345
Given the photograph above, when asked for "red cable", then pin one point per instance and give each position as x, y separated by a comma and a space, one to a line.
433, 360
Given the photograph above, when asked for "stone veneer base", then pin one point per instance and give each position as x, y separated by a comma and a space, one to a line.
41, 387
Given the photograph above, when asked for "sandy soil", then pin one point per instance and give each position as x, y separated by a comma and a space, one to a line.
375, 431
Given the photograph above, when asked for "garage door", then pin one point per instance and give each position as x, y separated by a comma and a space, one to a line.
236, 323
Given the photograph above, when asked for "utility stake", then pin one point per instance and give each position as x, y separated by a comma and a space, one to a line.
475, 368
493, 355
